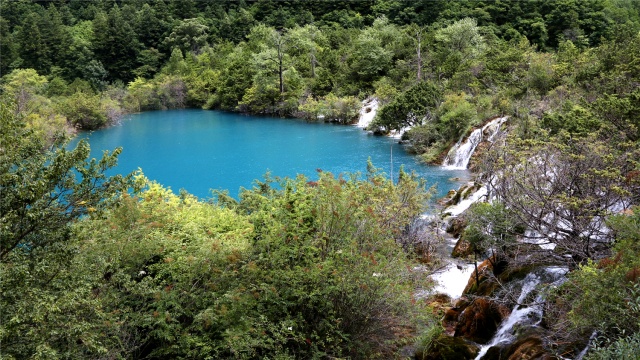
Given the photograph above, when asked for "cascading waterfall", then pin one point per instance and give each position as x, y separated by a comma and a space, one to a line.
525, 315
463, 205
460, 154
519, 315
367, 112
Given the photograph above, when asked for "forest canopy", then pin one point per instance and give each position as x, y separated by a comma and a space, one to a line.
93, 266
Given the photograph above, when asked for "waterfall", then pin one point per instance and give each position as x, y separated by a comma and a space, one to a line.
584, 351
463, 205
367, 112
460, 154
519, 315
525, 315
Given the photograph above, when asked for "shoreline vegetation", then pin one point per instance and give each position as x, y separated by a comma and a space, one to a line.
321, 269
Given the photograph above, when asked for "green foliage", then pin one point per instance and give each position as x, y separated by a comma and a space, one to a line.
624, 348
415, 106
331, 108
621, 112
460, 43
285, 271
455, 115
491, 227
573, 119
309, 270
188, 35
84, 111
604, 295
22, 88
562, 189
43, 193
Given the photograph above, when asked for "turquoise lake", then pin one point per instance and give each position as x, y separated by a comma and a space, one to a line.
199, 150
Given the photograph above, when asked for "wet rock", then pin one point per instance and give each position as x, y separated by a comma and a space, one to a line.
528, 346
489, 272
447, 347
448, 199
466, 190
451, 315
456, 226
486, 284
462, 248
440, 303
480, 320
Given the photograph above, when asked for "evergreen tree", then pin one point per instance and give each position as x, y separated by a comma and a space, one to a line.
115, 45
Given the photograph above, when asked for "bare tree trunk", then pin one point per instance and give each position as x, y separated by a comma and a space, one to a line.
419, 52
418, 34
279, 44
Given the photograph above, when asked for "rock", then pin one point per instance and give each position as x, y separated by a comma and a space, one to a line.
440, 303
448, 199
480, 320
528, 346
449, 348
462, 248
451, 315
456, 226
488, 274
486, 285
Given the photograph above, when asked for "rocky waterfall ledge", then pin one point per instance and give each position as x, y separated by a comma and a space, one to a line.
499, 313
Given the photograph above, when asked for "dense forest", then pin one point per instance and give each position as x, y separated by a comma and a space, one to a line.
93, 266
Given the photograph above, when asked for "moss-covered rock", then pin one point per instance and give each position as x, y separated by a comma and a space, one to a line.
480, 320
462, 249
484, 283
457, 226
528, 346
448, 348
451, 315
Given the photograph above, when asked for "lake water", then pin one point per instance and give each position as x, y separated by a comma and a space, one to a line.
199, 150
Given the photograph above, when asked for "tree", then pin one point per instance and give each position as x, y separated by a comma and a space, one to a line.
188, 35
32, 49
307, 41
22, 86
417, 34
41, 194
84, 111
274, 47
151, 27
372, 53
460, 43
603, 296
115, 44
562, 191
411, 108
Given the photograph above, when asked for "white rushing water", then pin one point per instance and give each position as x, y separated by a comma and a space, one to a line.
452, 280
519, 315
460, 154
367, 112
526, 314
463, 205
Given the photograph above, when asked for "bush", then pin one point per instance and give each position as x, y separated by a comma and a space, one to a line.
304, 269
84, 111
624, 348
